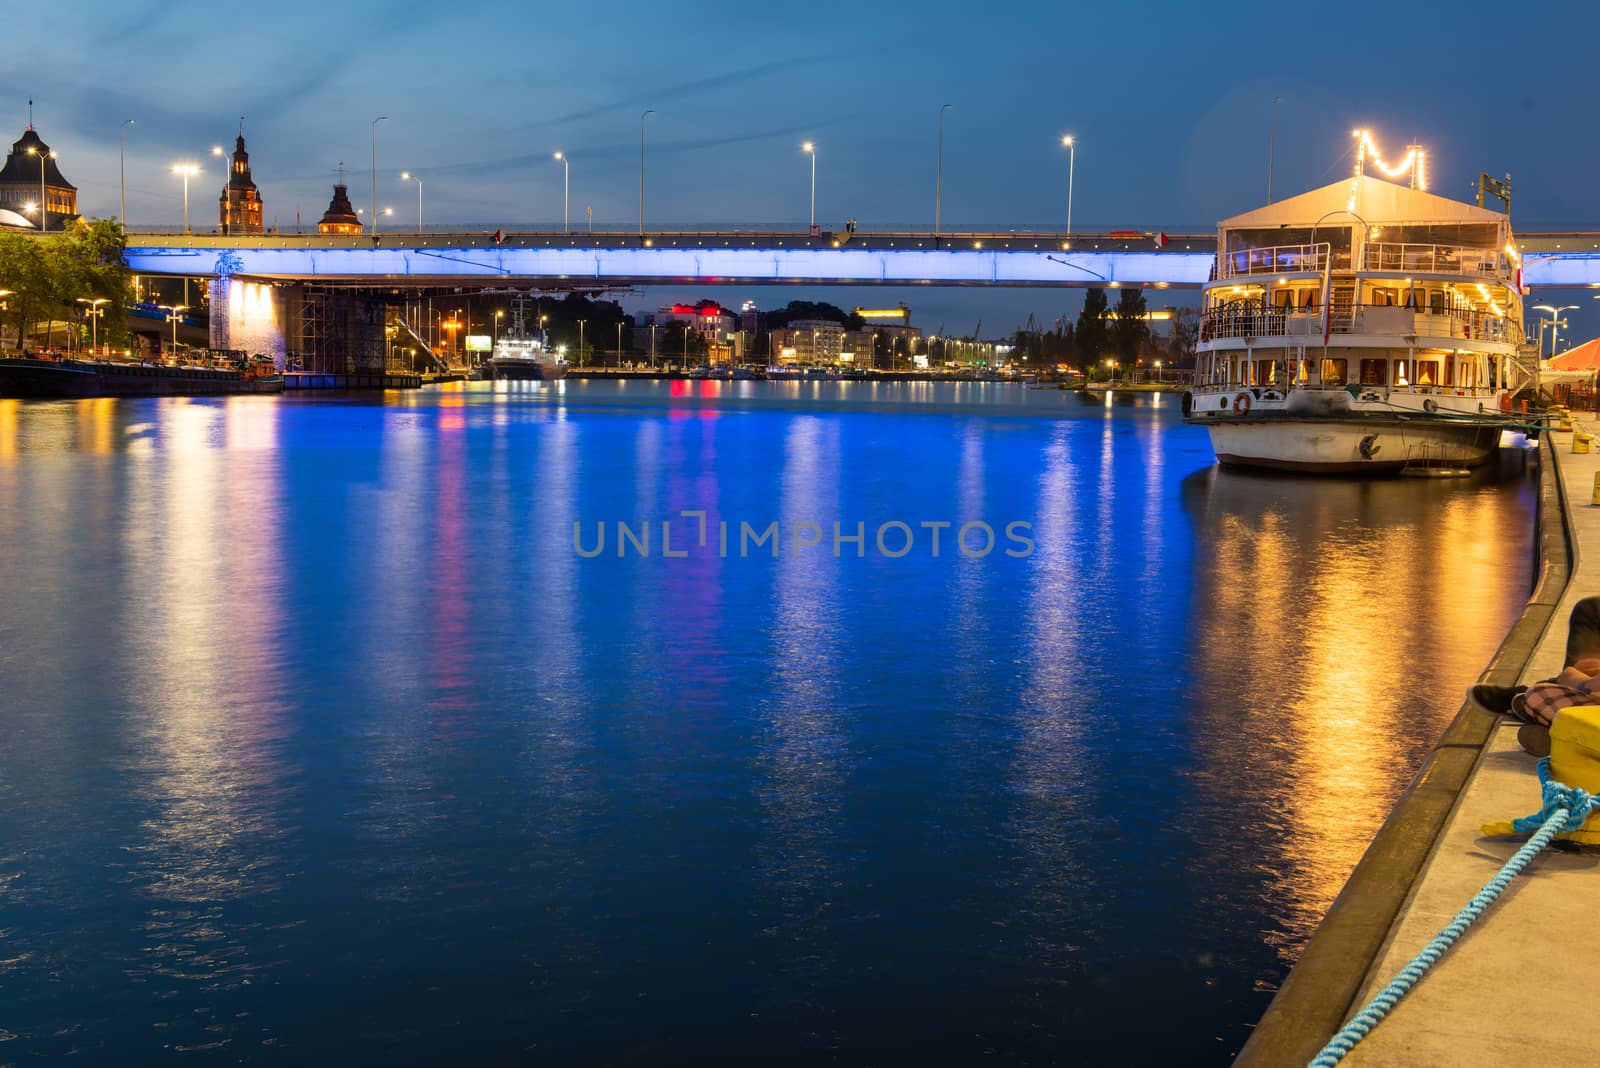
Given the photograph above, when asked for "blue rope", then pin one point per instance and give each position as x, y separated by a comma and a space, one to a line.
1565, 809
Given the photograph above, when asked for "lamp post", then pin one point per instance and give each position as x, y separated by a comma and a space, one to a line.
1072, 165
44, 205
1555, 323
94, 313
498, 315
580, 341
619, 344
811, 150
374, 132
186, 170
566, 186
122, 168
1272, 147
1158, 372
407, 176
174, 316
938, 174
647, 111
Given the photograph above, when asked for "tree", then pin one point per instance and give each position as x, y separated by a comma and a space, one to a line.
1130, 329
1185, 334
49, 273
1091, 335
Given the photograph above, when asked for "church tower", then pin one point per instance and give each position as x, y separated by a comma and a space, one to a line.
340, 218
240, 203
29, 170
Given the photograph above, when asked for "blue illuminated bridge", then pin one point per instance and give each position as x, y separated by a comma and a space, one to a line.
572, 261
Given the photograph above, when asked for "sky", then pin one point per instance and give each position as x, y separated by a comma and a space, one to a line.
1170, 104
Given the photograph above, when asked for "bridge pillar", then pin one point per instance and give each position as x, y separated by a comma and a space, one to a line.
334, 330
248, 316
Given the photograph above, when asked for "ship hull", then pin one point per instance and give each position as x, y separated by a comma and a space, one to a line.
526, 371
1357, 445
67, 378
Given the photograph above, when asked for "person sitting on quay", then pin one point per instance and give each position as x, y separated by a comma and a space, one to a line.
1577, 684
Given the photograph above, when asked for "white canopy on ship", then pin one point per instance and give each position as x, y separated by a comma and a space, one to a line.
1377, 202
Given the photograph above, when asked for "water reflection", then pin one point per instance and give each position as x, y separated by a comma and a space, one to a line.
1329, 609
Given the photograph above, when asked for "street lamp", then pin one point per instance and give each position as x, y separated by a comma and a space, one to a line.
938, 174
44, 203
1158, 372
94, 313
174, 316
498, 315
407, 176
647, 111
811, 150
1555, 323
186, 170
566, 186
619, 344
374, 132
122, 167
580, 341
1072, 164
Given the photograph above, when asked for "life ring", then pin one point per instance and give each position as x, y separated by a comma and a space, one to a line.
1241, 403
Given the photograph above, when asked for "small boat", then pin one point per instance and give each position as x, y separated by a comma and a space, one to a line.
1366, 327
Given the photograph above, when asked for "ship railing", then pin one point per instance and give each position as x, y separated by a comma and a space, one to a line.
1433, 259
1248, 319
1278, 259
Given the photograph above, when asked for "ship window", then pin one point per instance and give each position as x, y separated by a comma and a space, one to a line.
1310, 299
1374, 372
1436, 302
1334, 372
1382, 298
1427, 372
1266, 373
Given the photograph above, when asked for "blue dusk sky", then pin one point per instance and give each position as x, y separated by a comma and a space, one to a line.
1170, 104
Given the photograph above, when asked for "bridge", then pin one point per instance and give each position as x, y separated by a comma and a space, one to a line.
323, 297
566, 260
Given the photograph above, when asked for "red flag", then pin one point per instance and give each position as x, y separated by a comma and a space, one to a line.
498, 236
1161, 240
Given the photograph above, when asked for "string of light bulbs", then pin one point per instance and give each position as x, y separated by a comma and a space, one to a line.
1414, 162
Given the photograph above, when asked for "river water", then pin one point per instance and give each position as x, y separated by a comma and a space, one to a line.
323, 739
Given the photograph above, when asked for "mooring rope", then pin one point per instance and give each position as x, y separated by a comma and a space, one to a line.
1565, 809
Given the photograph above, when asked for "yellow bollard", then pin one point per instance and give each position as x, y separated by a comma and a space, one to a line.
1581, 442
1566, 424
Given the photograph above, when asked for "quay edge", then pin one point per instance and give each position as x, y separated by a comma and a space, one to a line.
1324, 986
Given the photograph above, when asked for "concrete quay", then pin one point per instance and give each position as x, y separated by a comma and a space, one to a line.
1518, 986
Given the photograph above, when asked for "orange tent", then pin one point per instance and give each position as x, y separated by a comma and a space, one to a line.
1586, 357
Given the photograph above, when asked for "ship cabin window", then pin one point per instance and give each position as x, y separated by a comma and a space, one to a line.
1374, 372
1309, 300
1427, 373
1383, 298
1436, 302
1266, 373
1466, 373
1334, 372
1283, 299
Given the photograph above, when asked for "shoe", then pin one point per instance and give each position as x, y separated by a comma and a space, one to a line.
1534, 739
1496, 699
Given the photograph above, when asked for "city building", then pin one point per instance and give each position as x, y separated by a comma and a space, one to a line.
750, 318
707, 318
239, 206
340, 218
810, 341
20, 184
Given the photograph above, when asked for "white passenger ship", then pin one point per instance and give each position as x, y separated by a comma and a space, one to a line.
1363, 327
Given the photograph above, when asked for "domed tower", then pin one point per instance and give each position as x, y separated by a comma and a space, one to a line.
340, 218
240, 203
21, 179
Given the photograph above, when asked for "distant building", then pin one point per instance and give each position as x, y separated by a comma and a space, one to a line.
239, 206
815, 341
707, 318
340, 218
750, 318
19, 184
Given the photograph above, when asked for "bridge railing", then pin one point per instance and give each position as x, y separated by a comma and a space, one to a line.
1249, 320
